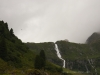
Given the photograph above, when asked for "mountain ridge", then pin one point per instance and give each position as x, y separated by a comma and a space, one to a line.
93, 38
81, 55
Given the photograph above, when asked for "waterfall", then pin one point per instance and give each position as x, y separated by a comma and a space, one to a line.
59, 55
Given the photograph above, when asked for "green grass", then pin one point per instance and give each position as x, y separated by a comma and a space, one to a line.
73, 72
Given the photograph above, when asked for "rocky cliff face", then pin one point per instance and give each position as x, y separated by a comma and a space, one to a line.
81, 57
93, 38
78, 57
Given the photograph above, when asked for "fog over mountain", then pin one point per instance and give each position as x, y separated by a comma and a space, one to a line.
52, 20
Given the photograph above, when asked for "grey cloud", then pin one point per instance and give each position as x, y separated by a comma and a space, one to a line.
52, 20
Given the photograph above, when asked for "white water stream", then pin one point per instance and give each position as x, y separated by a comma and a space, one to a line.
59, 55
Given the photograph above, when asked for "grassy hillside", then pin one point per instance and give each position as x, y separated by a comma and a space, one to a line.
13, 50
17, 59
49, 48
78, 51
80, 57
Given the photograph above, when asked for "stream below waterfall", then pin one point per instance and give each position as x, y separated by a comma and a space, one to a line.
59, 55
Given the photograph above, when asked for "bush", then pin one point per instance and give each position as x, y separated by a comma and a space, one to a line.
3, 66
33, 72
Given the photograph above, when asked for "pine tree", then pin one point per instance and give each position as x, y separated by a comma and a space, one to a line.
42, 55
40, 60
11, 32
6, 25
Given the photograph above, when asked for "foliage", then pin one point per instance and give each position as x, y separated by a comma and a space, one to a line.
3, 49
12, 50
11, 32
38, 64
43, 58
53, 68
40, 60
77, 56
15, 56
3, 66
49, 49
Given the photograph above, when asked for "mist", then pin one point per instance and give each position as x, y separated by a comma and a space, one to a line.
51, 20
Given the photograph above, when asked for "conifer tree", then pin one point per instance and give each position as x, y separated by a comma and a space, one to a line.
6, 25
11, 32
40, 60
42, 55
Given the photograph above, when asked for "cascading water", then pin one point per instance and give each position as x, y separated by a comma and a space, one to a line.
59, 55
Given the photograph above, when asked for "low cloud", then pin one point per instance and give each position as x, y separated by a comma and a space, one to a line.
51, 20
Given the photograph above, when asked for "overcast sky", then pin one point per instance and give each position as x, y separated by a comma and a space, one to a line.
51, 20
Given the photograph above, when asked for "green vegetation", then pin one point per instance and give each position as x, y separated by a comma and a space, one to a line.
80, 57
17, 58
12, 50
43, 58
49, 49
3, 49
40, 60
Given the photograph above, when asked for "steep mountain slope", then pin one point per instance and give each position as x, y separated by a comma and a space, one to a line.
51, 55
14, 54
93, 38
81, 57
49, 48
17, 59
12, 50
